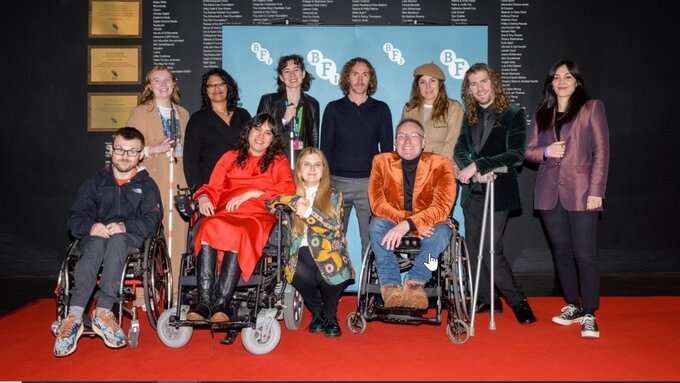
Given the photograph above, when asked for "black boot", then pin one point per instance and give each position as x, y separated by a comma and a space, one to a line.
230, 274
205, 276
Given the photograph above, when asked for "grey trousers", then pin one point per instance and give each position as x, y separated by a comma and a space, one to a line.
355, 193
109, 254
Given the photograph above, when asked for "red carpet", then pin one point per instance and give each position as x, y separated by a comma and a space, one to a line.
639, 341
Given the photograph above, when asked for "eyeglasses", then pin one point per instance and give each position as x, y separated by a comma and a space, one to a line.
408, 136
130, 152
215, 85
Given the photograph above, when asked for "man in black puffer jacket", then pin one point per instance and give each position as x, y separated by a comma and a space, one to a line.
114, 210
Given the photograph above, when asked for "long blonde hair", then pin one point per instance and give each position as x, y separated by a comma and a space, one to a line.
322, 200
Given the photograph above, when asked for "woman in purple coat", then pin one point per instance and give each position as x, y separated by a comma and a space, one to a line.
569, 139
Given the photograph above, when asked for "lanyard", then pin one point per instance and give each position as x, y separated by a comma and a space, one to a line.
170, 131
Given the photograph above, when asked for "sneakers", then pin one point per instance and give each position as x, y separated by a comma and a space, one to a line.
317, 324
570, 314
589, 327
106, 326
70, 331
415, 296
392, 295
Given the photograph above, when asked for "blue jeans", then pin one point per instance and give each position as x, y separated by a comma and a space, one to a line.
386, 261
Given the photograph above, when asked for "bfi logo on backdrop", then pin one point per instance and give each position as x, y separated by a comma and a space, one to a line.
262, 54
456, 66
324, 68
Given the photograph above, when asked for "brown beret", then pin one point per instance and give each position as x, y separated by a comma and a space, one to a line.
431, 70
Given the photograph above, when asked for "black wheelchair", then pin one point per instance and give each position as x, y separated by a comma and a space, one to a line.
450, 289
257, 305
147, 266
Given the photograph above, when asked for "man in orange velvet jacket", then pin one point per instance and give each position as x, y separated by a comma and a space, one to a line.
409, 191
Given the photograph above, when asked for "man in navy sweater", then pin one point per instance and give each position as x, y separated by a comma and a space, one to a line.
353, 130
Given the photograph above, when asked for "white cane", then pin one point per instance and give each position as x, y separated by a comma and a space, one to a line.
170, 190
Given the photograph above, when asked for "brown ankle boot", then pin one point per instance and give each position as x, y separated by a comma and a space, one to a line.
392, 295
415, 296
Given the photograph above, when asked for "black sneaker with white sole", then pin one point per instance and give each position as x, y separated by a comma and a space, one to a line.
570, 314
589, 327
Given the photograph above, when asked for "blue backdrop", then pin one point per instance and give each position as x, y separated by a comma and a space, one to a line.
250, 54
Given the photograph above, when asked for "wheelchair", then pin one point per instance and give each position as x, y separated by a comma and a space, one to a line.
257, 305
147, 266
450, 289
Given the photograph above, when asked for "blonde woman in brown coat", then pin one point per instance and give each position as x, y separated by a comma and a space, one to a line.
162, 121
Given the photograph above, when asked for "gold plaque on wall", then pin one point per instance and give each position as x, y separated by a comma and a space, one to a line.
115, 18
107, 112
114, 64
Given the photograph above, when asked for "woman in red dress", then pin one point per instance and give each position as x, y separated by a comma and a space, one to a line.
236, 226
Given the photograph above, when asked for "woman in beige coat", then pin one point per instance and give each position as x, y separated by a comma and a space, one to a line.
441, 116
163, 121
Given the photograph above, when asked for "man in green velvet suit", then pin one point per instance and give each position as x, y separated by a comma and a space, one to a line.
493, 135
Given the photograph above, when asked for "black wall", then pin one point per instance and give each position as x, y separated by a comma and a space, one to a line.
623, 51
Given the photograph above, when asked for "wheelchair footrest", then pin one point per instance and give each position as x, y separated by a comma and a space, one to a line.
404, 315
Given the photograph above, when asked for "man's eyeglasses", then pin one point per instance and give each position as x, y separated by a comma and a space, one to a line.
130, 152
215, 85
409, 136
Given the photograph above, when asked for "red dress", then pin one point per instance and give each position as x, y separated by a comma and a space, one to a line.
245, 230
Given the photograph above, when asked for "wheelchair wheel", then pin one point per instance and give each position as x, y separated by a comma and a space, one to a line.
462, 284
157, 280
356, 323
170, 335
263, 338
133, 334
458, 331
293, 308
65, 281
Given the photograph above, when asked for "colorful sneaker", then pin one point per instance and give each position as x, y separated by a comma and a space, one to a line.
70, 331
570, 314
589, 327
106, 326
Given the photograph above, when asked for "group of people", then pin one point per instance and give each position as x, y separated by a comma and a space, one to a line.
399, 183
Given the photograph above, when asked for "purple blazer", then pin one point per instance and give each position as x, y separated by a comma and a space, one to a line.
582, 172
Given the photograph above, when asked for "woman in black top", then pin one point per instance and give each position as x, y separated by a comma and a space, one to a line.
214, 129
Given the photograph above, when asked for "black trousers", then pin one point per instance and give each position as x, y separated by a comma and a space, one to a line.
319, 295
504, 279
573, 236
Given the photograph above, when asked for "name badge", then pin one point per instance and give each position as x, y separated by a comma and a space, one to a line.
298, 145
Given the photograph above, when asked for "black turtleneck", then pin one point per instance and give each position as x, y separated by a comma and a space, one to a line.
409, 168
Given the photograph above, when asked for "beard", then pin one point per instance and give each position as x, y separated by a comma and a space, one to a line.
124, 166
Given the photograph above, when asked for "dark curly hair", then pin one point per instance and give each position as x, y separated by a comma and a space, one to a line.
232, 89
275, 148
299, 61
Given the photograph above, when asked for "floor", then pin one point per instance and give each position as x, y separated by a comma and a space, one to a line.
25, 289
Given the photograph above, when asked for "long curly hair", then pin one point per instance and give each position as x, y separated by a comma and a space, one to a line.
546, 108
440, 106
347, 70
276, 146
147, 94
500, 101
232, 89
299, 61
322, 200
